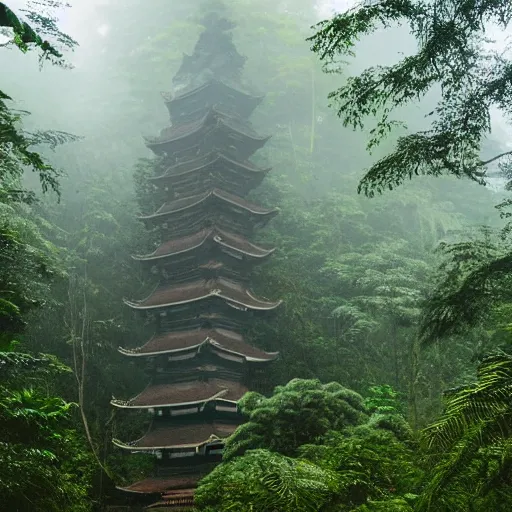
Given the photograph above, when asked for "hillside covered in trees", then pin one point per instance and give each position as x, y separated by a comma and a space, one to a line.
378, 160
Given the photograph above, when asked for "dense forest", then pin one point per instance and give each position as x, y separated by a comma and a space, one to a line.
391, 167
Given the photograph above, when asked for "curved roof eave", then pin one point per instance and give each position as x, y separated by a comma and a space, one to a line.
213, 293
152, 257
208, 340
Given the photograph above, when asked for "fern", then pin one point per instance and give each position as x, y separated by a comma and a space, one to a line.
476, 425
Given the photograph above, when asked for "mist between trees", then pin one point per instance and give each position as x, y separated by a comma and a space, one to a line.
390, 156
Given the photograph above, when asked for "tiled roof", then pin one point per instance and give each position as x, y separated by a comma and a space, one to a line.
160, 485
164, 436
230, 291
183, 130
205, 162
220, 237
221, 339
207, 198
185, 393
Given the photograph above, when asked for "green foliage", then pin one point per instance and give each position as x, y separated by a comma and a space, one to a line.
382, 400
470, 444
17, 156
37, 447
367, 461
473, 279
261, 481
27, 263
297, 413
45, 25
15, 143
371, 463
451, 55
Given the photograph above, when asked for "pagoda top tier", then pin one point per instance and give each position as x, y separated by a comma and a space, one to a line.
214, 57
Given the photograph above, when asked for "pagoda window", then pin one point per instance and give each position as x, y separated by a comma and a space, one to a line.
226, 408
151, 410
160, 412
214, 449
179, 455
158, 454
181, 357
182, 412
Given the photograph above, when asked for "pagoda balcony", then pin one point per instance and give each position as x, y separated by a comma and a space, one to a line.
203, 290
201, 315
182, 371
190, 269
225, 342
192, 102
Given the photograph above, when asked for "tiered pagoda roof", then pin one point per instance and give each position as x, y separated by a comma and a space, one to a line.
210, 132
185, 393
214, 170
231, 243
191, 435
218, 340
208, 202
191, 101
231, 292
199, 359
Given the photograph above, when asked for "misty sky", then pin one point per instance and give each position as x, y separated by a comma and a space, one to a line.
81, 23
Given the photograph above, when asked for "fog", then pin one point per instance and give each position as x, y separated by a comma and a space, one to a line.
353, 273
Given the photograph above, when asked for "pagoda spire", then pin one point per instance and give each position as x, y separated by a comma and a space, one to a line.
199, 358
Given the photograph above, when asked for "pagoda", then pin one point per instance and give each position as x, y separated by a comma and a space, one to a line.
199, 361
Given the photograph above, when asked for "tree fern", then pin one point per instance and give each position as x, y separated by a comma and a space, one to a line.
476, 425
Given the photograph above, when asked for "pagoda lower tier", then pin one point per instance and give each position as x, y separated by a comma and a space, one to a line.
172, 486
186, 397
183, 345
214, 290
171, 437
